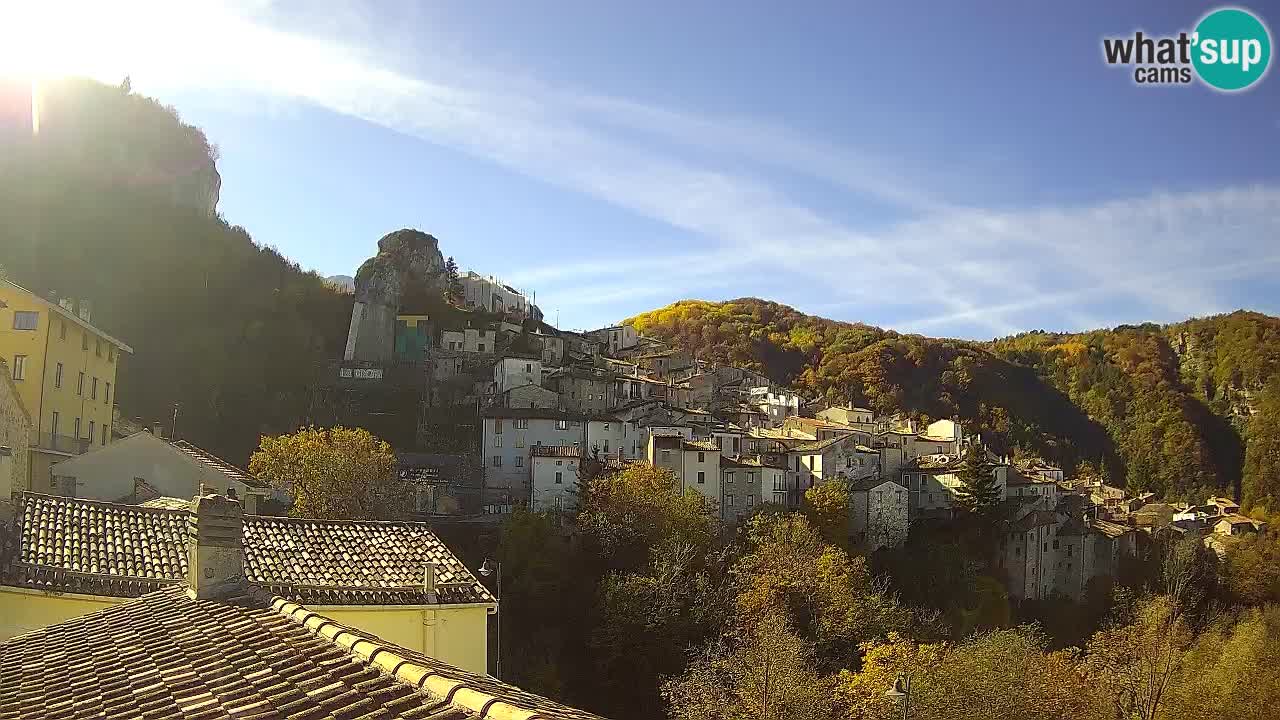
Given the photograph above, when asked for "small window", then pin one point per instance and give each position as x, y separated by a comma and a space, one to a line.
1055, 544
25, 320
750, 500
84, 339
231, 493
93, 389
57, 376
1017, 552
497, 441
702, 457
559, 478
106, 395
562, 424
111, 353
62, 330
90, 431
1069, 554
728, 501
497, 425
528, 367
1046, 547
53, 430
497, 461
702, 478
19, 367
481, 347
521, 423
78, 436
97, 350
519, 461
106, 430
80, 385
728, 478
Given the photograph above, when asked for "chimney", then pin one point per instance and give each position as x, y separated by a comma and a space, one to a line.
429, 578
215, 546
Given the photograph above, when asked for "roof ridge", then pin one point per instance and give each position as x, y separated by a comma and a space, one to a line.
384, 656
24, 494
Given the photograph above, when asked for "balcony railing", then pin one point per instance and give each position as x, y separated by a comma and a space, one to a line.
59, 443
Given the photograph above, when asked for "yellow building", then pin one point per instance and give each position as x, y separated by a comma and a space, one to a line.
15, 433
396, 580
65, 371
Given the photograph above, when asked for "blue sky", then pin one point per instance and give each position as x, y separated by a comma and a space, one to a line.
961, 171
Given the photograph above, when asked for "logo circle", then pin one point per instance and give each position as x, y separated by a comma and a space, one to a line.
1232, 49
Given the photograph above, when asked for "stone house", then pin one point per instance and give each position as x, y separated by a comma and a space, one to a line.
879, 513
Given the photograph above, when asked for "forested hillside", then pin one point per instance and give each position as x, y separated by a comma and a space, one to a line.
228, 329
1181, 410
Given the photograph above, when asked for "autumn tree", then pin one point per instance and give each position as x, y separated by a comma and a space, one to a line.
630, 513
1251, 569
979, 493
827, 507
333, 473
762, 671
1232, 670
1135, 664
830, 598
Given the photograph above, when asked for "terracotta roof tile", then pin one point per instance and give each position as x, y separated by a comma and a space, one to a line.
126, 550
168, 657
204, 457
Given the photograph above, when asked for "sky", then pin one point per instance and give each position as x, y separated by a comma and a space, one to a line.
968, 171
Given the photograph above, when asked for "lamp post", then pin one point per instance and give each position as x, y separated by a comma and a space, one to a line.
901, 691
493, 567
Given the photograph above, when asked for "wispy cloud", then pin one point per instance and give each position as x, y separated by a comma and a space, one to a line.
942, 265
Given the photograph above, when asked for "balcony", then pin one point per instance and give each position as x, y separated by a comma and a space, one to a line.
65, 444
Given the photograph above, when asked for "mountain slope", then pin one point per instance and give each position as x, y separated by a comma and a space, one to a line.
1164, 408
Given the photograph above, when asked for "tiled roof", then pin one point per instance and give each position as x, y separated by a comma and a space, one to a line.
125, 550
207, 458
700, 445
167, 503
166, 656
820, 445
563, 451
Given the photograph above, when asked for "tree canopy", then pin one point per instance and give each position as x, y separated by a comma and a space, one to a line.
334, 473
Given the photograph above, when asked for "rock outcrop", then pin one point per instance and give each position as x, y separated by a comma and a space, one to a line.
408, 264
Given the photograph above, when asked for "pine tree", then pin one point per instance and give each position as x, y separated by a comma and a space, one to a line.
978, 492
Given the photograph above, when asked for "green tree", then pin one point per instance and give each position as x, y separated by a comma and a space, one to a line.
333, 473
1233, 670
631, 513
979, 493
1135, 665
1261, 484
827, 506
1251, 569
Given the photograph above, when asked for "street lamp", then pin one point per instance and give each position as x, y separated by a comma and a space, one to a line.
493, 567
901, 691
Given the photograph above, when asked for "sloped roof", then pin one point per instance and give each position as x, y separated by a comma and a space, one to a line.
700, 445
124, 551
208, 459
168, 657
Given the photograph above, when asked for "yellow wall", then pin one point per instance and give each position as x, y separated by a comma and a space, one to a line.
41, 393
456, 635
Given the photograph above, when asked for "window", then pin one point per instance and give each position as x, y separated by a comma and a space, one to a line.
77, 428
528, 367
25, 320
19, 367
497, 461
106, 430
84, 339
1069, 554
519, 440
57, 376
1046, 547
106, 395
497, 426
702, 457
1017, 552
702, 478
562, 424
750, 500
497, 441
80, 385
520, 423
91, 432
53, 430
93, 389
559, 462
97, 349
606, 446
728, 478
62, 331
728, 501
111, 353
519, 461
559, 478
481, 347
1055, 544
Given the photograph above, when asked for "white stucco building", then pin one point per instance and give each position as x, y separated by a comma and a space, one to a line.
513, 371
553, 477
491, 294
143, 467
696, 465
472, 340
